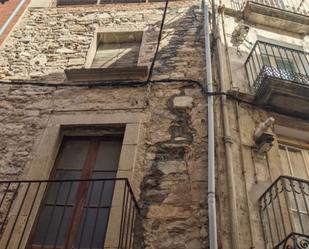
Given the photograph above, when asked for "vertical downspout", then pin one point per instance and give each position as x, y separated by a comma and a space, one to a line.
212, 216
228, 146
241, 151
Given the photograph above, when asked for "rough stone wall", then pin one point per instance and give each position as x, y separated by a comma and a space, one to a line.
174, 206
170, 174
49, 40
171, 165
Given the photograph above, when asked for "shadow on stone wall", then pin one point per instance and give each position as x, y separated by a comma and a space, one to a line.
179, 56
169, 163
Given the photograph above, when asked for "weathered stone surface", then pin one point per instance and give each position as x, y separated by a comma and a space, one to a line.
173, 148
63, 36
172, 167
65, 50
167, 212
183, 102
76, 62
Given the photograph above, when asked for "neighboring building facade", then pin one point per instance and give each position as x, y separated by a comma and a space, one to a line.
102, 148
66, 113
265, 67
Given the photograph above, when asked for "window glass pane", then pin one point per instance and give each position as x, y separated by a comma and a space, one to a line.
284, 161
52, 225
266, 60
63, 192
104, 174
297, 199
93, 227
297, 161
72, 154
123, 54
285, 64
297, 217
100, 193
108, 156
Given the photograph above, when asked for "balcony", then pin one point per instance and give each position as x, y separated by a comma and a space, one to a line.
96, 213
287, 15
279, 75
284, 209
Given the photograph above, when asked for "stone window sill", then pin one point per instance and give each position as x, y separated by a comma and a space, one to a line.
106, 74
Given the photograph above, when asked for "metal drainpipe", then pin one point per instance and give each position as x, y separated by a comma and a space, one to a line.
228, 158
14, 13
211, 194
241, 151
228, 147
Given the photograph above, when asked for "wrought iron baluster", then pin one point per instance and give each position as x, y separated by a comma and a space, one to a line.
51, 193
297, 206
62, 214
29, 214
123, 215
269, 224
128, 224
17, 215
10, 206
97, 213
280, 209
132, 225
85, 214
51, 216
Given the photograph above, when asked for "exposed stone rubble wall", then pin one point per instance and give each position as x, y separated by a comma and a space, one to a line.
48, 41
175, 209
170, 173
172, 161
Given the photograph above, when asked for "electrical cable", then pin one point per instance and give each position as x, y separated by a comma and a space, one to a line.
137, 84
104, 84
120, 84
148, 90
124, 84
158, 42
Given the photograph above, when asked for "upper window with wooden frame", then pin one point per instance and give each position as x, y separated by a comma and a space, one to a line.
116, 50
294, 157
112, 56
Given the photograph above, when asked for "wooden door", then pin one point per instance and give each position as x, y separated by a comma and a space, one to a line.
74, 214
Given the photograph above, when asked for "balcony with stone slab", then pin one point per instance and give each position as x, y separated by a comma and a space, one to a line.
279, 77
286, 15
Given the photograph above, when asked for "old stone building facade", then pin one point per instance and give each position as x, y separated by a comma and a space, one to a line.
263, 56
162, 124
104, 125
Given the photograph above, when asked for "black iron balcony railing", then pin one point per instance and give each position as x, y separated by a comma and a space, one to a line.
295, 6
96, 213
284, 209
268, 60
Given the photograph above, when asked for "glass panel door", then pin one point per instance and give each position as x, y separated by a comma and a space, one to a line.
295, 163
74, 214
